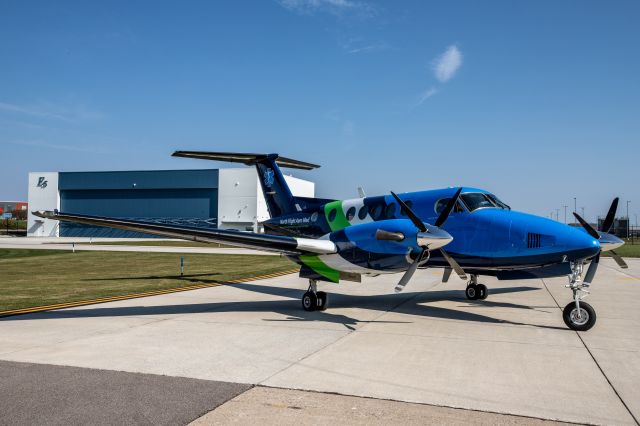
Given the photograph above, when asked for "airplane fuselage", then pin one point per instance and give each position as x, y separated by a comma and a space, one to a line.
488, 237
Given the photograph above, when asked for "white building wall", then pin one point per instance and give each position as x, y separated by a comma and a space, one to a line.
237, 198
241, 203
43, 195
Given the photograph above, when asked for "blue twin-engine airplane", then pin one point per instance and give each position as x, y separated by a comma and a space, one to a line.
336, 240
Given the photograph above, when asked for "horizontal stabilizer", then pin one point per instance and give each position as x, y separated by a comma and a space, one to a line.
248, 159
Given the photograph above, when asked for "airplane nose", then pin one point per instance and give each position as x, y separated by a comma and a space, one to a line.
584, 241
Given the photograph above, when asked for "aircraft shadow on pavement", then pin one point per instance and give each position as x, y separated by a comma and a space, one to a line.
410, 303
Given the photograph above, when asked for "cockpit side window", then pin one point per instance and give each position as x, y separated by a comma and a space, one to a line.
440, 204
477, 200
497, 201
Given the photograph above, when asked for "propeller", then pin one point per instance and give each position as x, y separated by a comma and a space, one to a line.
422, 228
606, 226
602, 234
611, 214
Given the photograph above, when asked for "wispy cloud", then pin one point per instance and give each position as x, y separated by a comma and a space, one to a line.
446, 65
426, 95
61, 147
48, 110
367, 48
347, 126
334, 7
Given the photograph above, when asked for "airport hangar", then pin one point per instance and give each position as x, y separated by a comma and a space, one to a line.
227, 198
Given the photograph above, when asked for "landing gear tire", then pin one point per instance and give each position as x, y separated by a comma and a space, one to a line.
581, 320
471, 292
309, 301
482, 291
323, 301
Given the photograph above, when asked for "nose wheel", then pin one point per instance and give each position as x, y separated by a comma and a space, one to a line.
578, 315
579, 318
475, 291
314, 300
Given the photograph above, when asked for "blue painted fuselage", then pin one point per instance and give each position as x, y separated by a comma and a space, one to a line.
487, 240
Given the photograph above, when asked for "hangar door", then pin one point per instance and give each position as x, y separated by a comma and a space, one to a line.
145, 198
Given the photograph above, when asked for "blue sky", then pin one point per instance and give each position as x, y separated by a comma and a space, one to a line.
537, 101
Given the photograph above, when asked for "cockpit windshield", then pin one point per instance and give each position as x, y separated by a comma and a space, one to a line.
477, 200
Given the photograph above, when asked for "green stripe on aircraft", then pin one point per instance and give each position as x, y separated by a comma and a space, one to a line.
313, 261
339, 219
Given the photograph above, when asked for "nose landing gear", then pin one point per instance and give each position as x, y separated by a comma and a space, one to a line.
314, 300
578, 315
475, 291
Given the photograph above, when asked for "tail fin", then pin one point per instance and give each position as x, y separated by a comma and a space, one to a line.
276, 192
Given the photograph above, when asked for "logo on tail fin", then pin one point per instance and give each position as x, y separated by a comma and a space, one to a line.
268, 177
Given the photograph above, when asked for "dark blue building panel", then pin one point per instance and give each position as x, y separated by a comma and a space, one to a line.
177, 196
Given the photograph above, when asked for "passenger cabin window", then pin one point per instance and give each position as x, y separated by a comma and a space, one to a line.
332, 215
351, 213
375, 211
441, 204
390, 211
362, 213
409, 204
477, 200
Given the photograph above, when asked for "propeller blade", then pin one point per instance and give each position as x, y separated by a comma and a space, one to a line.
586, 226
446, 274
444, 214
409, 273
619, 260
383, 235
591, 272
608, 221
454, 265
414, 218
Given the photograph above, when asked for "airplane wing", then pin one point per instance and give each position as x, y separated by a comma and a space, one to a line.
266, 242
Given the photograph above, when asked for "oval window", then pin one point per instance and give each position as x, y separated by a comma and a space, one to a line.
332, 215
390, 211
351, 213
375, 211
440, 204
362, 213
409, 204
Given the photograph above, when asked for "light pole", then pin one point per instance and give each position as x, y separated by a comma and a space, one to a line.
628, 201
565, 213
557, 215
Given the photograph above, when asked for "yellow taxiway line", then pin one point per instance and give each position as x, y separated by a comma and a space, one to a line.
137, 295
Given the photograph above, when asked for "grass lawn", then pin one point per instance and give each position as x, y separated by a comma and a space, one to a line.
627, 250
31, 278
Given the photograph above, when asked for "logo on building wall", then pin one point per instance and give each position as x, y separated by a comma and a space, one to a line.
268, 177
42, 182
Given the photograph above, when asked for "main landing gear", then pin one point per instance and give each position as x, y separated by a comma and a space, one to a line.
475, 291
314, 300
578, 315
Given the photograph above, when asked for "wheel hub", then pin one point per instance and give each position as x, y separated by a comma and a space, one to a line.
579, 316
